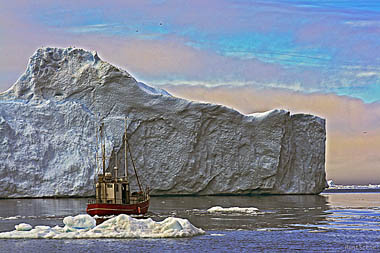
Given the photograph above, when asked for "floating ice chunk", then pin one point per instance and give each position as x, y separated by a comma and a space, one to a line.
42, 227
121, 226
219, 209
81, 221
23, 227
12, 218
331, 183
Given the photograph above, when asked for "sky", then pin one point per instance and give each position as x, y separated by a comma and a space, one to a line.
320, 57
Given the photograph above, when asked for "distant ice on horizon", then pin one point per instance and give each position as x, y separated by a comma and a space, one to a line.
332, 185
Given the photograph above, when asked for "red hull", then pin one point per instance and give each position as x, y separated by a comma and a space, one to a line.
102, 209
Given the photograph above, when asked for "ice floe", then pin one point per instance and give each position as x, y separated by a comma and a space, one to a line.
12, 218
23, 227
122, 226
81, 221
219, 209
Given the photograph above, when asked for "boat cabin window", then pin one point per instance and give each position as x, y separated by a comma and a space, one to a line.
109, 185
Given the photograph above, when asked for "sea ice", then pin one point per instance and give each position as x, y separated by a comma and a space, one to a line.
219, 209
12, 218
121, 226
82, 221
23, 227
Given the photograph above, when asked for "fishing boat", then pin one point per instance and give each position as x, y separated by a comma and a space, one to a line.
113, 194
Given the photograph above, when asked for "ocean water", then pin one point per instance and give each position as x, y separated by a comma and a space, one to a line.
330, 222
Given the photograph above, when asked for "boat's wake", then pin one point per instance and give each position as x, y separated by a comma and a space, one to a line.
122, 226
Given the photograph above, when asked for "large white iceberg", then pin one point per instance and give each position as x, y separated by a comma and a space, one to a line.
47, 136
121, 226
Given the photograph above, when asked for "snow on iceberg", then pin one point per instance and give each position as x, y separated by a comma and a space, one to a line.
121, 226
219, 209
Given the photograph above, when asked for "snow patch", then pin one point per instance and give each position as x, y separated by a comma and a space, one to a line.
219, 209
121, 226
262, 115
153, 90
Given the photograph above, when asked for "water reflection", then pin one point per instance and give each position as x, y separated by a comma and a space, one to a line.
48, 212
41, 207
306, 212
274, 211
356, 200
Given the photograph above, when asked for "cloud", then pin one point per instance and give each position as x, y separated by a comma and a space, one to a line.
160, 60
368, 74
353, 127
268, 44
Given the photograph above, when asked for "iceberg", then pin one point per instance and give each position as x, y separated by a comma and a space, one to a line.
47, 136
122, 226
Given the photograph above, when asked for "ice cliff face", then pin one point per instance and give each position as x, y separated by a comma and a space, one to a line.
47, 135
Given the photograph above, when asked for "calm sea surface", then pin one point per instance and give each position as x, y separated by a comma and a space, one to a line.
329, 222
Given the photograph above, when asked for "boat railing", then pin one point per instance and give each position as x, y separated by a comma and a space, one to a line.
91, 201
132, 200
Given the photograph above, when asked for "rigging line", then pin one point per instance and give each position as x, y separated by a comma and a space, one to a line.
133, 164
